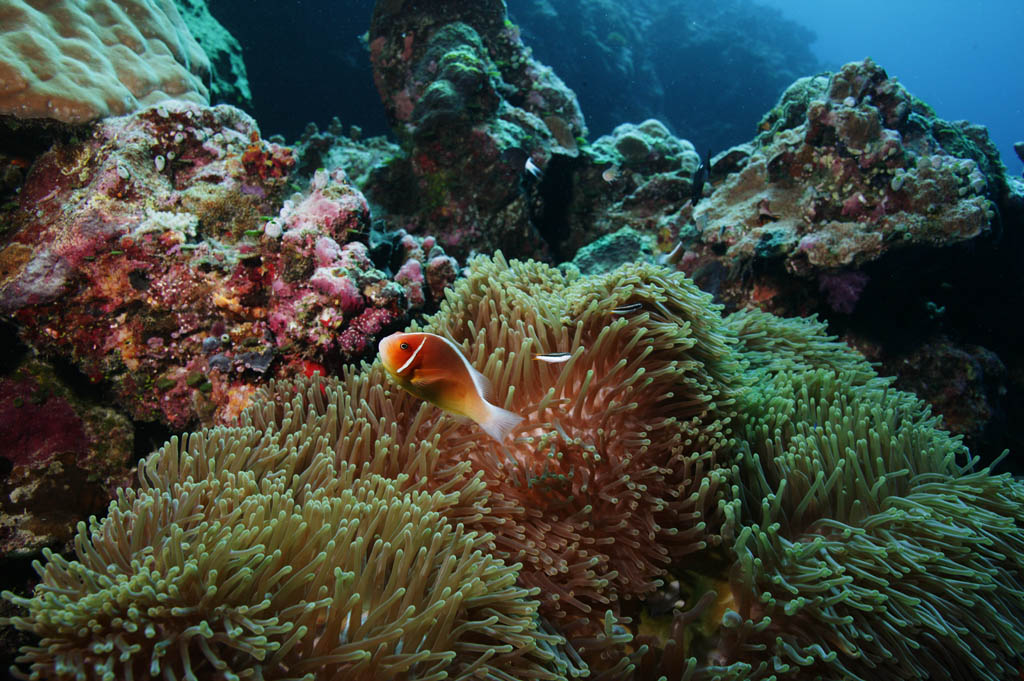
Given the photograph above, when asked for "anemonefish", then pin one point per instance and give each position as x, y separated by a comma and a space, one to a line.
629, 307
434, 369
554, 357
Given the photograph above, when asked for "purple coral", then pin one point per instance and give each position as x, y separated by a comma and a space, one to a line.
410, 275
842, 289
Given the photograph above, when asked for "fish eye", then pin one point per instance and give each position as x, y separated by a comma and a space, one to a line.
404, 346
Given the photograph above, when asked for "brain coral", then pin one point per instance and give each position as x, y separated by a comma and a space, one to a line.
800, 517
77, 61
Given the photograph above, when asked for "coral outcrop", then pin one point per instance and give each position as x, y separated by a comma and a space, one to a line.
79, 61
638, 177
161, 256
846, 171
689, 496
332, 148
471, 108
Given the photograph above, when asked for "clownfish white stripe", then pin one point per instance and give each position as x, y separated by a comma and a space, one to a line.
412, 357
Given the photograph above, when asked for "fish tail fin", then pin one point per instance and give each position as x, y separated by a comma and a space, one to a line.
497, 422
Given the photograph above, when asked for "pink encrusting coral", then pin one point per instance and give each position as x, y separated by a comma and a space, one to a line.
161, 256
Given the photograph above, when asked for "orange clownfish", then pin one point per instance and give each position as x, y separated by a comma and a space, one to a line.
434, 369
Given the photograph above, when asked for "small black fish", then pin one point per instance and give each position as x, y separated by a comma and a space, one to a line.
700, 176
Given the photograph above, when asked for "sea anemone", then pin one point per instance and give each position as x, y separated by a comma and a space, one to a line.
614, 472
873, 552
253, 553
866, 547
687, 497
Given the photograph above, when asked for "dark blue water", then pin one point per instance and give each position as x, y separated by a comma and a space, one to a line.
962, 58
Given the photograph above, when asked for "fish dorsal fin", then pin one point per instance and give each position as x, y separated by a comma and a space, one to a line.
483, 386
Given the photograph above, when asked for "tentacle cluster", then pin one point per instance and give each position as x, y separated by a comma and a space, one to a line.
687, 497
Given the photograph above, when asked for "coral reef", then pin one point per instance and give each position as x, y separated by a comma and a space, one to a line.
855, 201
689, 496
471, 108
611, 250
638, 177
78, 61
332, 148
846, 171
160, 256
701, 490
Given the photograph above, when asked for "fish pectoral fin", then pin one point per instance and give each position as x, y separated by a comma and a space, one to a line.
425, 377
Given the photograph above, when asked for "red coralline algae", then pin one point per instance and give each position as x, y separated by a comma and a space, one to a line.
266, 160
36, 424
441, 273
364, 331
410, 275
62, 456
161, 256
